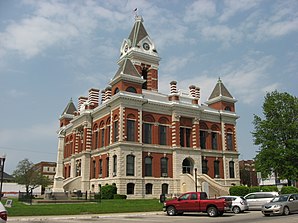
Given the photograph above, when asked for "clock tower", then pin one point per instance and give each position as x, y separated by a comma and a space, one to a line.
141, 51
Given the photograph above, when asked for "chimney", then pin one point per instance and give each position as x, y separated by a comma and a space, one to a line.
108, 93
198, 94
173, 86
81, 100
192, 90
103, 96
93, 97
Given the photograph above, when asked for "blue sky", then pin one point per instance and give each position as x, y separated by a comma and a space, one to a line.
51, 51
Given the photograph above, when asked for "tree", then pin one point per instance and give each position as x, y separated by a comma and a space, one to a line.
26, 174
277, 136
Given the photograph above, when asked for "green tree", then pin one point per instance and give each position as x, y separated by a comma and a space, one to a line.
26, 174
277, 136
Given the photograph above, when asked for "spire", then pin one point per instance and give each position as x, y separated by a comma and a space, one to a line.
69, 109
138, 31
220, 90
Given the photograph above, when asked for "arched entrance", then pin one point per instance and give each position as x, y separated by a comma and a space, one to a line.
187, 166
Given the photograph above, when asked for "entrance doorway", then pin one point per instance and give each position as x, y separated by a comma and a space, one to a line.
187, 166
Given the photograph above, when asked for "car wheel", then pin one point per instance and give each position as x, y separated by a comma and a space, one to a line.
212, 211
236, 210
286, 211
171, 211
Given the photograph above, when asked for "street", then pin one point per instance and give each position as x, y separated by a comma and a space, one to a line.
247, 217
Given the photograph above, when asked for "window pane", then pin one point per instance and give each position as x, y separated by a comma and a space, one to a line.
114, 165
214, 140
164, 167
148, 188
162, 135
148, 166
216, 169
205, 166
130, 188
203, 139
182, 137
147, 136
188, 136
130, 130
130, 165
108, 166
164, 188
116, 131
230, 141
102, 137
231, 169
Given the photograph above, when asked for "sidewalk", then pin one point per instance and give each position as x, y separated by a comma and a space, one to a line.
82, 216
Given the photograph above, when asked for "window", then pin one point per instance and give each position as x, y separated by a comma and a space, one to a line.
108, 166
96, 140
130, 188
130, 130
228, 108
100, 168
147, 133
229, 141
205, 166
131, 89
231, 169
194, 196
148, 188
162, 135
203, 137
187, 166
184, 197
114, 165
116, 131
216, 169
214, 140
130, 165
102, 141
94, 169
164, 188
144, 75
164, 166
108, 134
148, 166
116, 91
185, 135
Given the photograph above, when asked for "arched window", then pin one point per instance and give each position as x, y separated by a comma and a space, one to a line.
100, 169
228, 108
187, 166
214, 137
164, 188
114, 165
107, 167
229, 139
231, 169
116, 129
205, 166
148, 166
130, 165
130, 188
144, 75
131, 127
116, 90
216, 169
94, 168
148, 188
131, 89
164, 167
203, 135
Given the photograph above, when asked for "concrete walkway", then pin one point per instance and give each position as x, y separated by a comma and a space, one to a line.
83, 216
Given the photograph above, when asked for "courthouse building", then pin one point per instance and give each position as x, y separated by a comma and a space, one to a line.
143, 141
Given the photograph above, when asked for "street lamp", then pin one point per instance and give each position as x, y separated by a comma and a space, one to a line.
2, 161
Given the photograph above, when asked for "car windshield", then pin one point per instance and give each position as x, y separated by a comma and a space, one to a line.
280, 198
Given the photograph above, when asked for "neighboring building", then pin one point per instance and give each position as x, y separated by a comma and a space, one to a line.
47, 169
248, 174
143, 141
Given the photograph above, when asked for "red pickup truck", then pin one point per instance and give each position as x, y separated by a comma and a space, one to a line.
196, 202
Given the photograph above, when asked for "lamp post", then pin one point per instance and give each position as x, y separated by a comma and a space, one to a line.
2, 161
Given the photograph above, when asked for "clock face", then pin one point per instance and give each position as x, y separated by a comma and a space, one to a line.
125, 48
146, 46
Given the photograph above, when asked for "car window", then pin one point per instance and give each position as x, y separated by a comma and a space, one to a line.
292, 197
242, 198
233, 198
280, 198
184, 197
194, 197
251, 196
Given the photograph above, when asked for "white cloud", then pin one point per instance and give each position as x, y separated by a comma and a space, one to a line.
176, 63
233, 7
222, 33
199, 10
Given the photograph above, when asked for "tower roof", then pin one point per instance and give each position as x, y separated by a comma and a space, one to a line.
220, 90
69, 109
138, 32
127, 68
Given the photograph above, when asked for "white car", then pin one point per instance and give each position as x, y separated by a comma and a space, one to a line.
257, 199
239, 204
3, 214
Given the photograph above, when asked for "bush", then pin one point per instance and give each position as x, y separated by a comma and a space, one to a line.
239, 190
108, 191
120, 196
254, 189
269, 188
97, 196
289, 190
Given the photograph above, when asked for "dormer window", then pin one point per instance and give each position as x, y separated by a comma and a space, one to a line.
228, 108
131, 89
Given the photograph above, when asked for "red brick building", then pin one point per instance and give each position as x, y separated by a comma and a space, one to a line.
144, 141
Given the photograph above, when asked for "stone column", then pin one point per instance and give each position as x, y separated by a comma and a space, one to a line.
58, 179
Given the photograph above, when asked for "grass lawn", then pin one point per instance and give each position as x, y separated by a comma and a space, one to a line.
105, 206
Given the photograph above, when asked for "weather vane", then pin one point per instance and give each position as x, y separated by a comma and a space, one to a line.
136, 12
